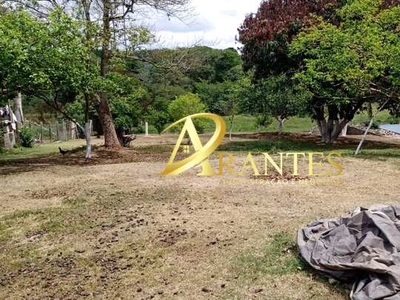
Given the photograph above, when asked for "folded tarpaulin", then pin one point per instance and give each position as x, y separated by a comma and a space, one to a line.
362, 247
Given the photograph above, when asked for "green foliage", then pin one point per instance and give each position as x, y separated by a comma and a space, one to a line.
393, 120
346, 54
126, 96
138, 36
275, 96
359, 58
375, 125
76, 110
218, 97
27, 137
28, 63
214, 75
187, 105
157, 113
45, 60
248, 123
225, 65
159, 118
278, 257
263, 120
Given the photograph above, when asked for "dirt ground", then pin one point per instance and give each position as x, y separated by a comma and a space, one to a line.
106, 230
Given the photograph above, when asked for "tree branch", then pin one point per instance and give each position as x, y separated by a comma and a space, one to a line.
57, 108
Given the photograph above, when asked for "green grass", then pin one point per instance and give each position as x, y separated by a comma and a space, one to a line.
278, 257
66, 218
382, 117
247, 123
381, 152
242, 123
40, 149
273, 146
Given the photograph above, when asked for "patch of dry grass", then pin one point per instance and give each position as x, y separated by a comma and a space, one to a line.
123, 231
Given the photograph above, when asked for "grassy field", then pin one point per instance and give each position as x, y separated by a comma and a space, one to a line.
247, 123
242, 123
285, 144
43, 149
116, 229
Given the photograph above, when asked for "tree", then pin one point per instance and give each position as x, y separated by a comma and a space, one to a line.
352, 64
33, 55
187, 105
279, 97
212, 74
127, 101
267, 36
108, 25
217, 96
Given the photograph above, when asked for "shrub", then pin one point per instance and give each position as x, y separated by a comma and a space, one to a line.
187, 105
27, 137
375, 124
263, 121
393, 120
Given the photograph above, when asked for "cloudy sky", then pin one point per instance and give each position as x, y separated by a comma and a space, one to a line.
214, 23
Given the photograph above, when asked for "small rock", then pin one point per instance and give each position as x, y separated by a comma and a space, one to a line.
206, 290
257, 290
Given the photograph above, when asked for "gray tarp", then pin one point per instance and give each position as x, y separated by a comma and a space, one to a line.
362, 248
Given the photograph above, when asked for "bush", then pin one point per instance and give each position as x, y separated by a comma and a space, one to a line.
187, 105
393, 120
27, 137
375, 125
263, 121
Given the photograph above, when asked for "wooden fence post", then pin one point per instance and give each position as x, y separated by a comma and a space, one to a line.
88, 134
57, 132
41, 132
50, 131
64, 131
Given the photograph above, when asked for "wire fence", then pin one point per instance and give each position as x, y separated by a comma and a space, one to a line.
59, 131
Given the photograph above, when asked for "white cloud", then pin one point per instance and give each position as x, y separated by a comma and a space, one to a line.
215, 24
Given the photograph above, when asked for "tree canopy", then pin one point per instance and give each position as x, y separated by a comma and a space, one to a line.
342, 51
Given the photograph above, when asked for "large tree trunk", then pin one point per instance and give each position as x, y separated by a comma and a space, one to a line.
331, 127
107, 123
